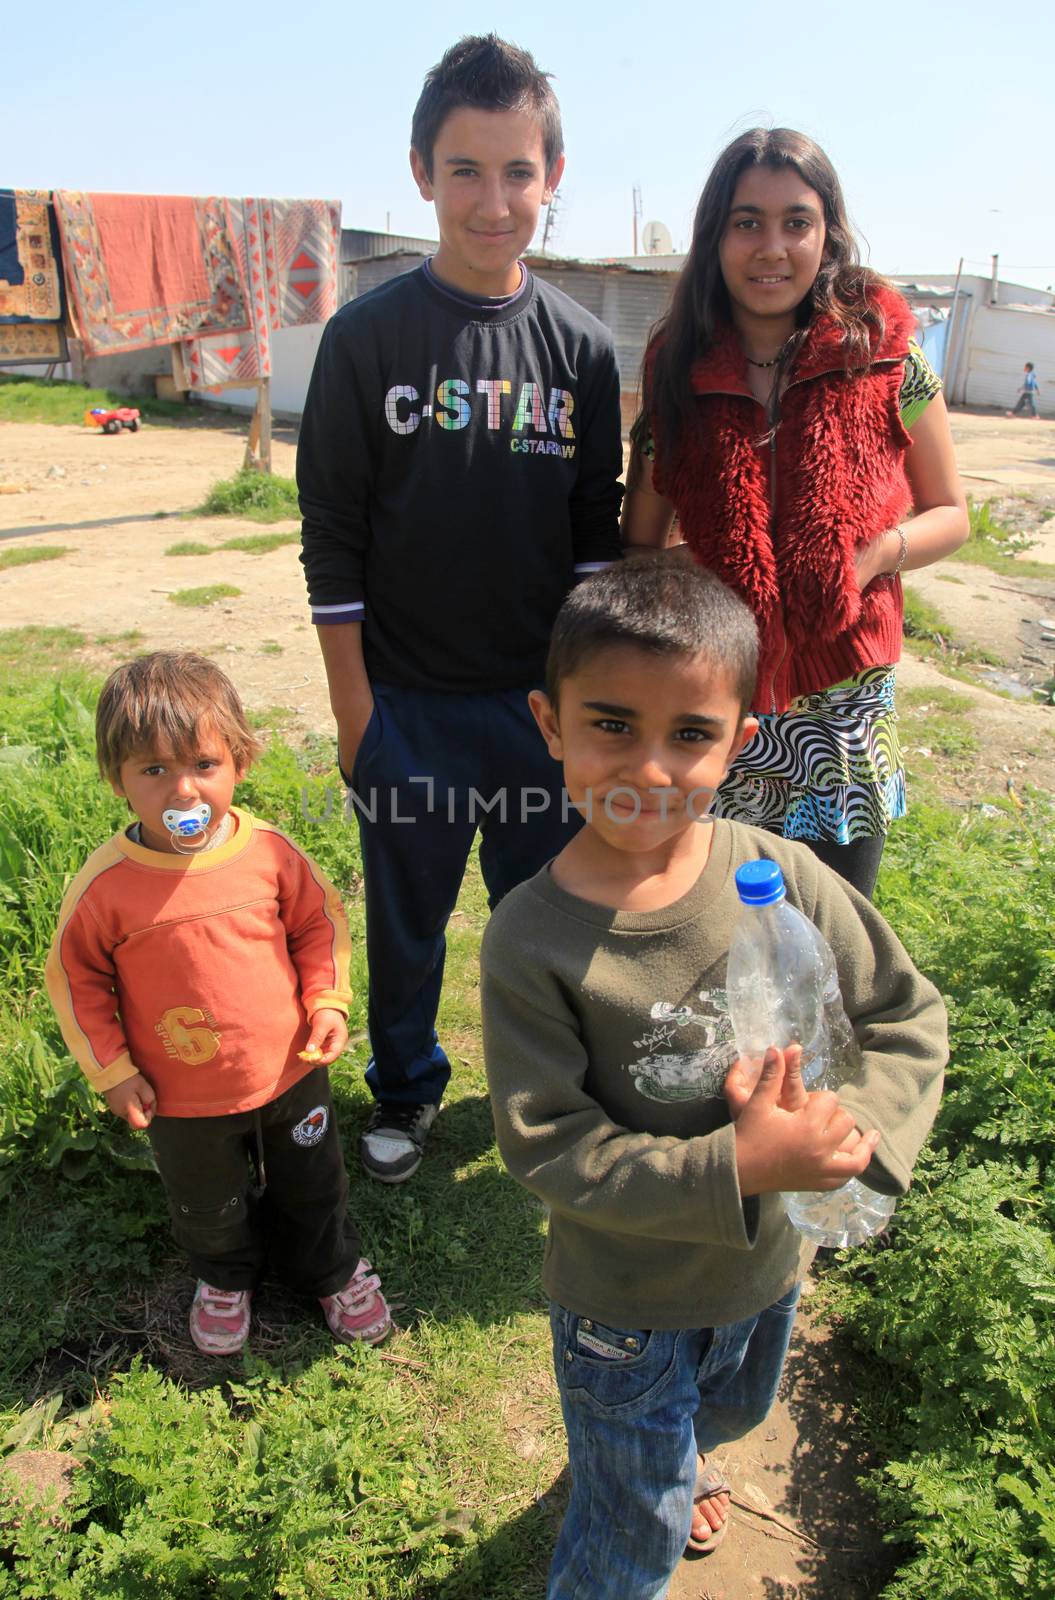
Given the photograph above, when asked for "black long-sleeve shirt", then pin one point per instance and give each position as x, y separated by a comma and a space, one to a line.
458, 467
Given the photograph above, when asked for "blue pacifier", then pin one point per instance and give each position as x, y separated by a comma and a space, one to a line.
186, 824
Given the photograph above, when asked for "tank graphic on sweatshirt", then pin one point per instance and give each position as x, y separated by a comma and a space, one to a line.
687, 1052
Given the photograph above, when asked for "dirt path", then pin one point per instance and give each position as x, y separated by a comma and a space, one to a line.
113, 503
802, 1529
102, 498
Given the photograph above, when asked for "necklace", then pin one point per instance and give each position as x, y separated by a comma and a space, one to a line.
778, 357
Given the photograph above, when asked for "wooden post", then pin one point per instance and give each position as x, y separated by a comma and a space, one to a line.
258, 447
263, 406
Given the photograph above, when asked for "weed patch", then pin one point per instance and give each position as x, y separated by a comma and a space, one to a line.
993, 544
307, 1471
958, 1311
928, 635
259, 496
206, 595
254, 544
127, 640
297, 1469
27, 555
190, 547
259, 544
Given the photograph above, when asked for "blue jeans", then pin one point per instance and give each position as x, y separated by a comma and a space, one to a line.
636, 1419
432, 770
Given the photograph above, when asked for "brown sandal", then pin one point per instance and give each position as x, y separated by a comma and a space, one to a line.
709, 1482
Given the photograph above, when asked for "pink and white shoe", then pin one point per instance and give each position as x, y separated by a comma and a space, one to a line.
219, 1319
358, 1311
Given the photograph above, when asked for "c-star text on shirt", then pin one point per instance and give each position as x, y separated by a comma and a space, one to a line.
404, 411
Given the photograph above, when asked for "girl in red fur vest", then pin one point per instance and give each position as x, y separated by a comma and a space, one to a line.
801, 442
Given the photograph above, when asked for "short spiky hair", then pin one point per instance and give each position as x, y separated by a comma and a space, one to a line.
166, 700
484, 71
663, 605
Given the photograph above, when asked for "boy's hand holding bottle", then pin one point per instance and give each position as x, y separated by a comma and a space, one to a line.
787, 1139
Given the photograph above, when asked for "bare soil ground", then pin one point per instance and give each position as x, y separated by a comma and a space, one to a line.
117, 503
803, 1530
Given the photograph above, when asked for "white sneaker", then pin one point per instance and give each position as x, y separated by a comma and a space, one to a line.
394, 1141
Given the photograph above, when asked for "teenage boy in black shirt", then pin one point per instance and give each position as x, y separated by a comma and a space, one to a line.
458, 470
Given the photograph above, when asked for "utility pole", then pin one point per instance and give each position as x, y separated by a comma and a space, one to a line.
637, 212
994, 288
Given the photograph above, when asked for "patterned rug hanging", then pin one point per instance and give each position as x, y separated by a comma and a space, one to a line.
288, 251
145, 270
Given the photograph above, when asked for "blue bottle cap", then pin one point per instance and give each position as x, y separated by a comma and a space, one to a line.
760, 883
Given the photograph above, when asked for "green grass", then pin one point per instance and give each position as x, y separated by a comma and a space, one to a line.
24, 399
296, 1469
935, 720
947, 702
928, 635
27, 555
269, 718
35, 650
254, 544
259, 544
190, 547
993, 544
270, 647
415, 1472
128, 640
258, 496
957, 1314
923, 620
206, 595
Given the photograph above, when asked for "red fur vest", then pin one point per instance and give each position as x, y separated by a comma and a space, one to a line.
779, 520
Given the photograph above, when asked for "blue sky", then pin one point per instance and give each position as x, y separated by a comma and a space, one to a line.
933, 114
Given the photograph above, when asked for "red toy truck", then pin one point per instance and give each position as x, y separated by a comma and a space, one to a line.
113, 421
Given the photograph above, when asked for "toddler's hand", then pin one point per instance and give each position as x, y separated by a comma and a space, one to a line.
744, 1074
134, 1100
328, 1037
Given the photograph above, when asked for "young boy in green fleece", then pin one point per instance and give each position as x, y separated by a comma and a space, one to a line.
671, 1267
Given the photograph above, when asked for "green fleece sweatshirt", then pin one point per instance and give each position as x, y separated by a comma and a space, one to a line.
607, 1040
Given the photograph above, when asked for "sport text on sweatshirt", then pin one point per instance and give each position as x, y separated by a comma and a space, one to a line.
200, 971
457, 468
607, 1041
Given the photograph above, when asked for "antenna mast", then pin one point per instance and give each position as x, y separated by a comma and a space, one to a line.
552, 218
637, 212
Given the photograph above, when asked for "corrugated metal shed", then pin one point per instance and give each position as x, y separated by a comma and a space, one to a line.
362, 276
358, 244
988, 344
1002, 340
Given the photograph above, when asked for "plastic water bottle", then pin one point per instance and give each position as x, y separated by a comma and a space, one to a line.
783, 988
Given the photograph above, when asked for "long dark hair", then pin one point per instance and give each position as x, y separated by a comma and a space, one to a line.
700, 306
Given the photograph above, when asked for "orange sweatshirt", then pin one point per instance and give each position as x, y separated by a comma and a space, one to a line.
201, 971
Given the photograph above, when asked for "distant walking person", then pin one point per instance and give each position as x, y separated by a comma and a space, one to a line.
1026, 404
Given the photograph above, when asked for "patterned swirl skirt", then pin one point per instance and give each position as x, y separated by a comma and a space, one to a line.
829, 768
